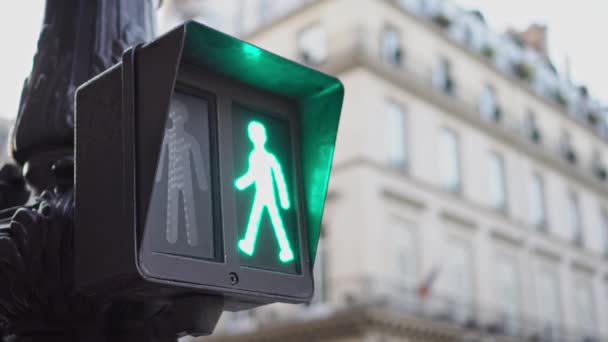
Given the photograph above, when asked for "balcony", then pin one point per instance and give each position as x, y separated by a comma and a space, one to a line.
485, 319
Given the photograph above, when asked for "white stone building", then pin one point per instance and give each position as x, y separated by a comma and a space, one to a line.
464, 161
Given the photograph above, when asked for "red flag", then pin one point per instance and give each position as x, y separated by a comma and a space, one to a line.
426, 286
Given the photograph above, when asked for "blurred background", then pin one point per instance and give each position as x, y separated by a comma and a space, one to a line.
469, 192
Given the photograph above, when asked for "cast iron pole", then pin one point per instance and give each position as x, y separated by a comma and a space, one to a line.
79, 39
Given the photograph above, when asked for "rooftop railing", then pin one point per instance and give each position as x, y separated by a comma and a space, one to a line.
510, 56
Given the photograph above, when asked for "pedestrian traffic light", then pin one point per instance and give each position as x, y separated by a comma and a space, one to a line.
202, 165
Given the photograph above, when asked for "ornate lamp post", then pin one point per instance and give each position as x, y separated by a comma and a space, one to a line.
79, 39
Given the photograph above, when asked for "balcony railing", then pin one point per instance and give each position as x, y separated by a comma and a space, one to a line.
487, 319
472, 317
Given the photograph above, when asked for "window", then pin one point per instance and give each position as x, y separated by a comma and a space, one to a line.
566, 149
549, 304
320, 270
531, 127
604, 227
574, 219
488, 106
467, 36
459, 277
603, 117
597, 165
496, 171
449, 154
404, 255
391, 50
585, 306
442, 78
537, 201
396, 135
507, 291
312, 45
582, 105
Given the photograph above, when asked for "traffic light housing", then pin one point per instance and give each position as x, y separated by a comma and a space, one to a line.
202, 165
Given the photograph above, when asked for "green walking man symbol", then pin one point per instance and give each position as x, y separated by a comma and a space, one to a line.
264, 173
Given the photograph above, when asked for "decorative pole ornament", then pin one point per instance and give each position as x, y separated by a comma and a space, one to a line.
79, 39
121, 243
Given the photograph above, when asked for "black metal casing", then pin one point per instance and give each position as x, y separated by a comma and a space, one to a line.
120, 121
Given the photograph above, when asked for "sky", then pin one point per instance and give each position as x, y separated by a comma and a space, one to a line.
20, 23
576, 32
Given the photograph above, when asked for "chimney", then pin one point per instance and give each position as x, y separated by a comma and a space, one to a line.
535, 37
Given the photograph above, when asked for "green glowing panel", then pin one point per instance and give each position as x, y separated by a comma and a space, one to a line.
267, 222
317, 95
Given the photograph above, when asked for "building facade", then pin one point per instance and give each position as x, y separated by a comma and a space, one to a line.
469, 193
